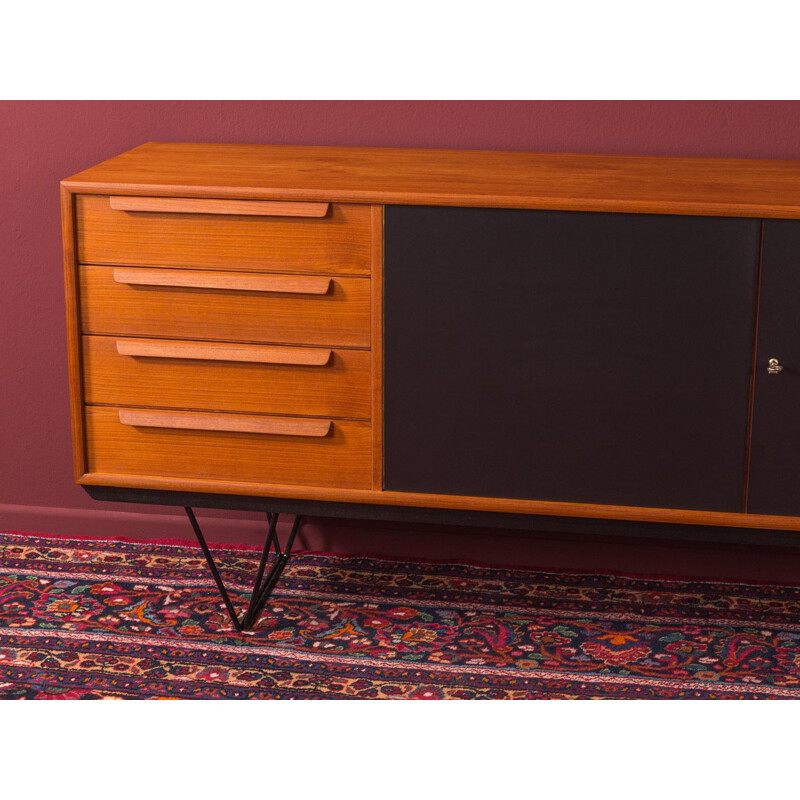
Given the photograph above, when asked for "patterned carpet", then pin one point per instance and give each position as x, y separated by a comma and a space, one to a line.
85, 619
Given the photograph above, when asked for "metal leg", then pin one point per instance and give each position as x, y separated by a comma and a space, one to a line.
281, 557
272, 520
262, 587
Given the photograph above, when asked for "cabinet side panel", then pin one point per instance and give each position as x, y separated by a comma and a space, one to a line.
775, 444
568, 356
71, 292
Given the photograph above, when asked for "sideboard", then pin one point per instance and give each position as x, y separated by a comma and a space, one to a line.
379, 331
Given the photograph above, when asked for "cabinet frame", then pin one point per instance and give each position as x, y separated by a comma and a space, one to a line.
706, 187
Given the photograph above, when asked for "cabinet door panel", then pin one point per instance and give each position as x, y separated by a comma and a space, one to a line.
568, 356
775, 449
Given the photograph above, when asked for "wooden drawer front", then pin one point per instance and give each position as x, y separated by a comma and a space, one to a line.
336, 243
338, 318
342, 458
210, 376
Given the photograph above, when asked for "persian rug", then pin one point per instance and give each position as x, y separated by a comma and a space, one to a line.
87, 618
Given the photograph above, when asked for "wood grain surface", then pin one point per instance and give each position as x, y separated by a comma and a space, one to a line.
342, 459
338, 243
223, 351
376, 340
74, 366
339, 387
233, 281
154, 480
558, 181
340, 318
224, 423
187, 205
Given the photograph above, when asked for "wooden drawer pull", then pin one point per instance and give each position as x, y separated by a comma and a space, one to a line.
209, 351
230, 423
189, 205
237, 282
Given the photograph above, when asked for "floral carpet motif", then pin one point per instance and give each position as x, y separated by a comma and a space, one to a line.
86, 619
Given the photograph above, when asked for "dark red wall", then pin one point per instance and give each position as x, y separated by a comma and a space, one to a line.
42, 142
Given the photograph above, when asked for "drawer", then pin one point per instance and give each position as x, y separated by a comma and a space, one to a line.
229, 447
199, 304
218, 376
223, 234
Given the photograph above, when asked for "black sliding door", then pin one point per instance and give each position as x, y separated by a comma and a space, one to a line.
586, 357
775, 450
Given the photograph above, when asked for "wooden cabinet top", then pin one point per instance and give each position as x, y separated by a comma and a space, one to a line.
558, 181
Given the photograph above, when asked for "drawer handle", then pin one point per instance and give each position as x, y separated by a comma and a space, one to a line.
207, 351
189, 205
226, 423
197, 279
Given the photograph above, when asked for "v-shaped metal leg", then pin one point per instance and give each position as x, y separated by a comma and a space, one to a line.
263, 586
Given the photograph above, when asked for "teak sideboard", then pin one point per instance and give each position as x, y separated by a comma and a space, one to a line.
373, 331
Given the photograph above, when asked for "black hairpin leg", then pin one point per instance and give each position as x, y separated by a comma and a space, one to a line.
263, 586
